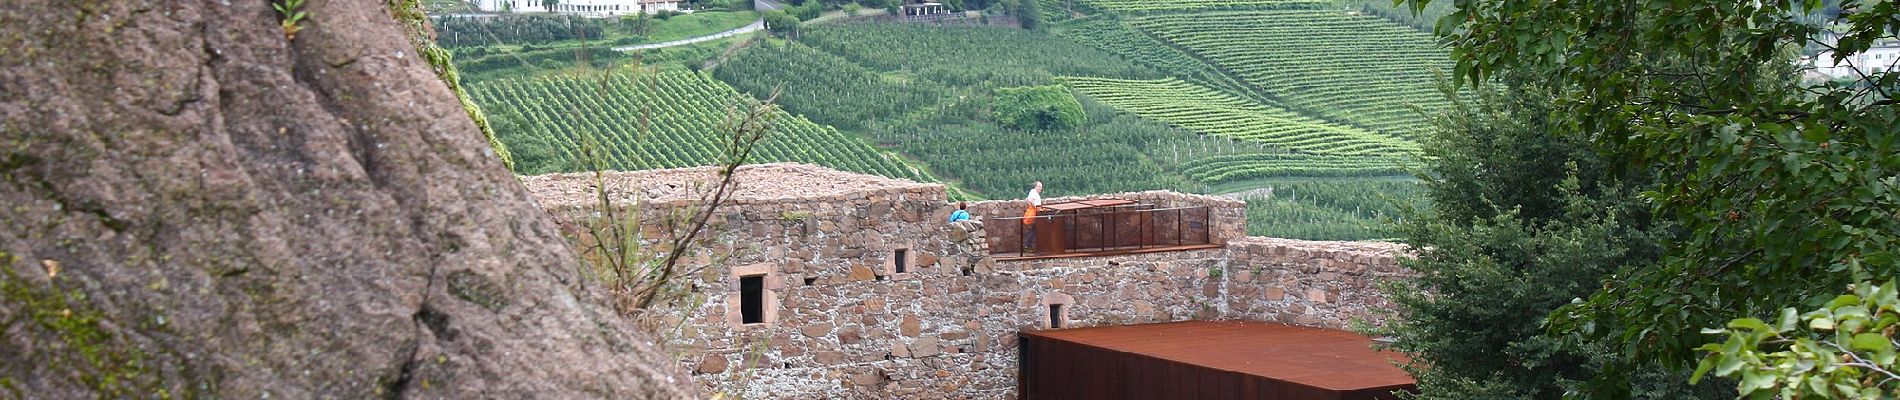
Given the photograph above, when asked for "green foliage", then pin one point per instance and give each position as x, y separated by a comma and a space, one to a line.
1142, 6
1114, 36
781, 23
1218, 169
454, 31
1521, 223
1112, 153
985, 57
824, 87
684, 26
999, 163
1423, 19
1046, 108
290, 15
1329, 209
1354, 69
511, 31
1841, 350
948, 126
809, 11
1029, 14
1209, 112
655, 120
99, 359
1780, 187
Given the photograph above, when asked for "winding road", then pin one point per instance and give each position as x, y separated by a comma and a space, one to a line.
755, 26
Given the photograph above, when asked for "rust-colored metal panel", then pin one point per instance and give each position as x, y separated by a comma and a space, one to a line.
1206, 360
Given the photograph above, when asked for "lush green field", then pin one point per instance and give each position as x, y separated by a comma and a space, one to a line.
1180, 5
1168, 107
698, 24
1115, 37
1357, 69
543, 120
1424, 20
1218, 169
1210, 112
977, 56
824, 87
929, 99
531, 32
1329, 209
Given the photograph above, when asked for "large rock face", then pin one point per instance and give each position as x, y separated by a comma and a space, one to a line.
192, 205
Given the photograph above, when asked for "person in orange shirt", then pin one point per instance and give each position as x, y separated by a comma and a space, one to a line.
1029, 215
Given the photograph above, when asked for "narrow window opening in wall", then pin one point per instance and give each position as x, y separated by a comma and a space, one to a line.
752, 299
809, 280
788, 365
1055, 316
901, 261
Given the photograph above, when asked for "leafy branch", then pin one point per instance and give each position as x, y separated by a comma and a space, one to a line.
1844, 349
292, 16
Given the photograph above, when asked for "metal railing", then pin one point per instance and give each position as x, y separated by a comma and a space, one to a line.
1132, 227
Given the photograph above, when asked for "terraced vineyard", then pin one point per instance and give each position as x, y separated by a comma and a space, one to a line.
1330, 209
1118, 38
1357, 69
685, 109
824, 87
973, 56
1227, 168
1210, 112
1178, 5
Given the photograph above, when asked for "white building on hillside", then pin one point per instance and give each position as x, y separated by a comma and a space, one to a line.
1883, 56
605, 8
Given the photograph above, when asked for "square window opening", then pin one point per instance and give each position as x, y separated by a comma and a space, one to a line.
752, 299
901, 261
811, 280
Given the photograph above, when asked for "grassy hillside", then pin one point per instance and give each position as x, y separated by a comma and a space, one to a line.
1189, 5
1211, 112
1182, 95
825, 87
1328, 209
656, 120
971, 55
1357, 69
927, 96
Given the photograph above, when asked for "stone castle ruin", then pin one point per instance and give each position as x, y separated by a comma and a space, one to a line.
828, 284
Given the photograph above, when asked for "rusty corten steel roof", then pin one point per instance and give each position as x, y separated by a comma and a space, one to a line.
1085, 204
1320, 358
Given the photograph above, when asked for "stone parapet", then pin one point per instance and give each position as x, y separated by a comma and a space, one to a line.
847, 319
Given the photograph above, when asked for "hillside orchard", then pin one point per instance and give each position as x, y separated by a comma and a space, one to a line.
1356, 69
651, 120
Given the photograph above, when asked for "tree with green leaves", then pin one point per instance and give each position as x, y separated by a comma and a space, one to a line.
1029, 14
1784, 189
1522, 222
1050, 107
1843, 349
781, 23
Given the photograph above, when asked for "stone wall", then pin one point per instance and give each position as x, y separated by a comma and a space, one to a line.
1308, 283
843, 322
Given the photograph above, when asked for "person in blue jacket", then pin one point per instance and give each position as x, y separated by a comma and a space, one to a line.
960, 214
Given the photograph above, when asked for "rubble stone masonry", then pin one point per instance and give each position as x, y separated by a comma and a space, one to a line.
842, 321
